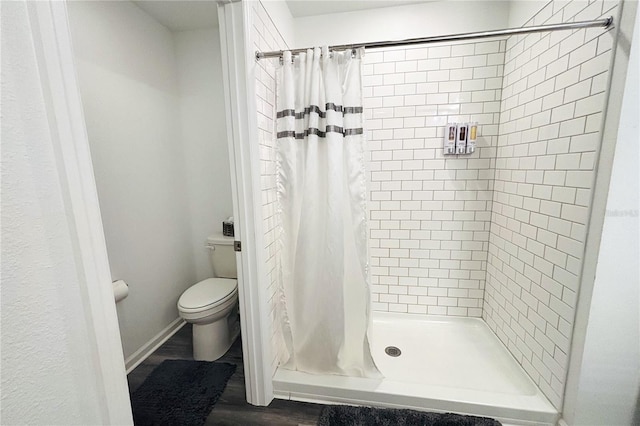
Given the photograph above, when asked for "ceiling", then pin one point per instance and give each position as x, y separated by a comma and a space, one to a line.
301, 8
180, 15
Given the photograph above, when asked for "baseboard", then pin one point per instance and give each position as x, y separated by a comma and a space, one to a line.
148, 348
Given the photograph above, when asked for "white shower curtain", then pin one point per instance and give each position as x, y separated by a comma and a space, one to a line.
322, 211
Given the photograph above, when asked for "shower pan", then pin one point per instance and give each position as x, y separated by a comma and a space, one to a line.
446, 364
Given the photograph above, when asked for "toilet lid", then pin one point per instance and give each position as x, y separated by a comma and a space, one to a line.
208, 292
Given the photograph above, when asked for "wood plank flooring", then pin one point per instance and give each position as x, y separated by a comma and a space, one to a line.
232, 408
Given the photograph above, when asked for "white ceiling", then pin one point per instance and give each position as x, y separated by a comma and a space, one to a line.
180, 15
300, 8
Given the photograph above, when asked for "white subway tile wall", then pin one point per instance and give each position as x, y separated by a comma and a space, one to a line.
265, 36
553, 96
430, 214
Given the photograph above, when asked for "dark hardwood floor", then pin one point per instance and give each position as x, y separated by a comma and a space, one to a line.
232, 407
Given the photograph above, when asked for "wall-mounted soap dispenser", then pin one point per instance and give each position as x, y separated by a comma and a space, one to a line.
472, 137
461, 138
449, 145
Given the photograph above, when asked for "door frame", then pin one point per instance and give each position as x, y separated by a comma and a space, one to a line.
235, 23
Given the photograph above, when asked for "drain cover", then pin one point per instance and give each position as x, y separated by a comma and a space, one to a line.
392, 351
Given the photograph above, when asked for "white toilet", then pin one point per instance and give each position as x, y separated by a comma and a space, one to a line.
212, 304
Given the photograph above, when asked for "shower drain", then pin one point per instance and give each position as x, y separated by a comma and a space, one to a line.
392, 351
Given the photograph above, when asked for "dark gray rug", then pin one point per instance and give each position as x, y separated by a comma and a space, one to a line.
180, 392
343, 415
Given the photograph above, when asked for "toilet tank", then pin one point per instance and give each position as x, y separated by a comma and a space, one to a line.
222, 255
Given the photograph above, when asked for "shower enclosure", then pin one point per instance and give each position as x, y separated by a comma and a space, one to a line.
476, 260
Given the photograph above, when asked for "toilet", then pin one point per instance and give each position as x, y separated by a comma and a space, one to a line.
211, 305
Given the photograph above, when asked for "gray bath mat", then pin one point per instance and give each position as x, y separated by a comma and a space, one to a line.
343, 415
180, 392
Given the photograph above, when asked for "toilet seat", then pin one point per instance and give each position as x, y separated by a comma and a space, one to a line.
207, 295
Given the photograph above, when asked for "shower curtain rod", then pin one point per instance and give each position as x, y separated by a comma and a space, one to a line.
605, 23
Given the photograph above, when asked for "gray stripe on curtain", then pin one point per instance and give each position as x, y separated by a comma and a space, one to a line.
320, 133
316, 109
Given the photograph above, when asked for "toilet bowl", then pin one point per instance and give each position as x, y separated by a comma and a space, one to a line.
211, 305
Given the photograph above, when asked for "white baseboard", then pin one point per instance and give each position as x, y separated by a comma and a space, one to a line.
148, 348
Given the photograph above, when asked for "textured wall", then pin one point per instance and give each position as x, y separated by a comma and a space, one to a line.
553, 96
48, 376
430, 213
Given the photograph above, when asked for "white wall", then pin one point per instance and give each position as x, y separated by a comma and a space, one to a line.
609, 388
203, 138
282, 21
520, 11
155, 115
48, 371
129, 84
392, 23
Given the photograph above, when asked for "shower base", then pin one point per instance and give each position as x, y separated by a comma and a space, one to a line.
446, 364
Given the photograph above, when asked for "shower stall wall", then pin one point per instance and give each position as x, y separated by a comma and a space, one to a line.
496, 235
429, 214
265, 36
551, 115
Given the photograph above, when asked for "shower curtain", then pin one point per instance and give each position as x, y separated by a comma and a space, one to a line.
321, 188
